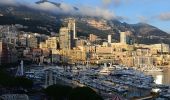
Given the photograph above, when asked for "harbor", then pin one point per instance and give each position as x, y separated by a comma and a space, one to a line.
107, 79
162, 79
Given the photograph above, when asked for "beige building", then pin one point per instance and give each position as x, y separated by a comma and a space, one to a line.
92, 37
80, 42
143, 58
43, 45
50, 43
123, 37
55, 55
76, 55
155, 48
32, 41
160, 48
66, 38
119, 47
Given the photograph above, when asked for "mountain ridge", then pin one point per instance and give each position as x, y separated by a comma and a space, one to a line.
52, 22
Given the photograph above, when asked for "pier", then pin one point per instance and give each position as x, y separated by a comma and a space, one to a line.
145, 98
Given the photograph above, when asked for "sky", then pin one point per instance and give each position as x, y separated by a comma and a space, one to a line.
154, 12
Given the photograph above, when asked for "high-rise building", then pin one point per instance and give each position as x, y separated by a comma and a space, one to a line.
72, 27
22, 39
123, 37
32, 41
92, 37
109, 38
80, 42
4, 53
52, 42
66, 38
8, 54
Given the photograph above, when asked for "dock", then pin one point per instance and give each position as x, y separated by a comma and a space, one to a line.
144, 98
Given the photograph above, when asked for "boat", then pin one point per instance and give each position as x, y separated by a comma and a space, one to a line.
106, 70
152, 69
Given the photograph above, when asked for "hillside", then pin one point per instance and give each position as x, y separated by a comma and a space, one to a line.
45, 22
144, 29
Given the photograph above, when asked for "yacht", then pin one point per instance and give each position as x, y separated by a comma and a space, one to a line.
152, 69
106, 70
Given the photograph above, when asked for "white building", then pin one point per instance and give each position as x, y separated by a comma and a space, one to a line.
109, 38
123, 37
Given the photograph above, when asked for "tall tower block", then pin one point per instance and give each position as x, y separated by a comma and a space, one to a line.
123, 37
109, 38
66, 38
72, 27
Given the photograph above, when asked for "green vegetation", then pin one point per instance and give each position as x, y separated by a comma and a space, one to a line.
58, 92
36, 26
5, 79
85, 29
23, 82
61, 92
84, 93
8, 65
10, 81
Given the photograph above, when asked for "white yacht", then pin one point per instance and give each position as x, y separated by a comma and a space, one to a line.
152, 69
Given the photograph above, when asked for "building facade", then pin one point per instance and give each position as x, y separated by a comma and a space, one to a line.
66, 38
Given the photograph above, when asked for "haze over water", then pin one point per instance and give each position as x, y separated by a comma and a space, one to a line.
161, 77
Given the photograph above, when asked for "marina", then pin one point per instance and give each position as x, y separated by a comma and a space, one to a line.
113, 79
163, 82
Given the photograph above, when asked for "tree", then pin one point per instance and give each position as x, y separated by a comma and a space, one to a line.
58, 92
62, 92
5, 79
23, 82
84, 93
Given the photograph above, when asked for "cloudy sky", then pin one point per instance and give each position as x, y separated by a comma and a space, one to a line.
154, 12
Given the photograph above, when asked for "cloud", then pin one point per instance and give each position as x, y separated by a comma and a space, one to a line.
117, 2
47, 6
68, 9
111, 2
164, 16
107, 2
122, 18
143, 19
65, 9
101, 12
8, 2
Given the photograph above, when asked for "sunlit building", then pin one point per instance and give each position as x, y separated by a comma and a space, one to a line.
66, 38
143, 58
109, 38
72, 27
80, 42
123, 37
51, 43
32, 41
92, 37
